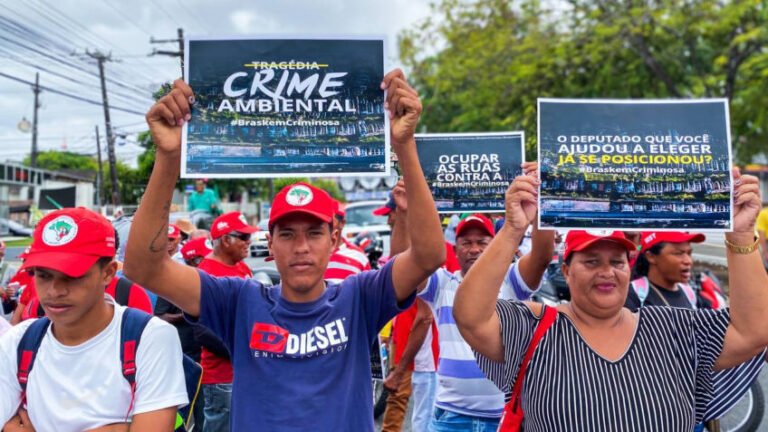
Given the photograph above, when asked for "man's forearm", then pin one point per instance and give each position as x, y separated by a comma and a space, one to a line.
399, 240
147, 249
542, 248
418, 334
424, 231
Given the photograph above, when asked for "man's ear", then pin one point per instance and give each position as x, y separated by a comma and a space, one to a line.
269, 244
108, 272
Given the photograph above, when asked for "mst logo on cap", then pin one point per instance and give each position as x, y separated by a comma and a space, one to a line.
299, 195
59, 231
600, 233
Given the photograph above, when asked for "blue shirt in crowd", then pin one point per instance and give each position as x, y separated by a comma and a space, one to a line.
300, 366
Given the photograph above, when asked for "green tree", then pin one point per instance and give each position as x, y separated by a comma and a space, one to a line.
482, 65
65, 161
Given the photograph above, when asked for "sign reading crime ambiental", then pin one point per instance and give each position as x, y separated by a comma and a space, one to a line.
470, 172
285, 108
635, 164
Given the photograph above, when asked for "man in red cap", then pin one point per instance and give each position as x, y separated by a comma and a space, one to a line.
300, 350
77, 382
347, 259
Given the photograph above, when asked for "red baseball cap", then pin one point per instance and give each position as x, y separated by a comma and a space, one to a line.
228, 222
578, 240
70, 240
475, 220
173, 231
649, 239
338, 210
199, 247
301, 198
387, 207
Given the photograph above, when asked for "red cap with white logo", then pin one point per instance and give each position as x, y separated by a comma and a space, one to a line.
475, 220
649, 239
173, 231
228, 222
578, 240
199, 247
301, 198
70, 240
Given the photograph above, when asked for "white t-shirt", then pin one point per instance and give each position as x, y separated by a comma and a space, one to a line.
4, 325
76, 388
425, 360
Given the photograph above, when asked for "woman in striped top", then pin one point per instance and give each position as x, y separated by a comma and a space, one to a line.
600, 366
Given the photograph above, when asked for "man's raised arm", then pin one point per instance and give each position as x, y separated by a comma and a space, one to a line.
427, 248
146, 258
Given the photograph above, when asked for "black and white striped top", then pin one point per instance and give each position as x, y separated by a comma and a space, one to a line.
663, 382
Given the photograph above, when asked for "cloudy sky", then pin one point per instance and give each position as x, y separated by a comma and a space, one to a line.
52, 36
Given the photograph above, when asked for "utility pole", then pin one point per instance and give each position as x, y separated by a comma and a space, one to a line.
36, 90
99, 175
179, 53
101, 58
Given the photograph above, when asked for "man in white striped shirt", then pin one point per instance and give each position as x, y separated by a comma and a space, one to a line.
347, 259
466, 399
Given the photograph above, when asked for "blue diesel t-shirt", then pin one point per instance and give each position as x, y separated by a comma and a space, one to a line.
300, 366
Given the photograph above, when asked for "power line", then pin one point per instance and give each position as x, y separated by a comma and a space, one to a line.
69, 95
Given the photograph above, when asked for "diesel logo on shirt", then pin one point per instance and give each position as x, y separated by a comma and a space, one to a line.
318, 340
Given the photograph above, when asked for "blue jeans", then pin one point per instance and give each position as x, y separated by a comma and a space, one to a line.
423, 388
447, 421
217, 402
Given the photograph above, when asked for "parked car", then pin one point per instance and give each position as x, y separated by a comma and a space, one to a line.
360, 218
14, 228
259, 239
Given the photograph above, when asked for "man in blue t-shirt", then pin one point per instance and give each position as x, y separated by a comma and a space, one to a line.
300, 350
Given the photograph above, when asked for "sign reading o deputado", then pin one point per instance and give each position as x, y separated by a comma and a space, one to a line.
635, 164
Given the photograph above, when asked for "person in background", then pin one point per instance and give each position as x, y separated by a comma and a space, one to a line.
192, 337
347, 259
231, 241
203, 198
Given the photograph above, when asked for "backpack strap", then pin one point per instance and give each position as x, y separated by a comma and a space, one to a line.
641, 287
26, 352
132, 326
512, 416
689, 292
123, 290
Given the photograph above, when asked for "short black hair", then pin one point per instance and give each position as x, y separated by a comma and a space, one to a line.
104, 261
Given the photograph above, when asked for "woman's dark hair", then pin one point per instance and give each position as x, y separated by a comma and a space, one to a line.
642, 265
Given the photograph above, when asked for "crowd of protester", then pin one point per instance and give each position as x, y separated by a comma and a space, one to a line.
95, 344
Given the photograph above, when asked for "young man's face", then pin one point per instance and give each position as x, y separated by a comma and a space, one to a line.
674, 262
65, 299
302, 245
200, 186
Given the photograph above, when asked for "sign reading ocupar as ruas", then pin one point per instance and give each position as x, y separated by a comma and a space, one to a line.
635, 164
470, 172
285, 107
